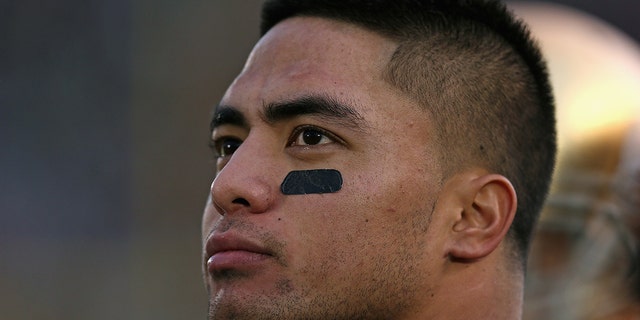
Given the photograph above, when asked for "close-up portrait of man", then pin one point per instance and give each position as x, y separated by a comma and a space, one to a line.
379, 160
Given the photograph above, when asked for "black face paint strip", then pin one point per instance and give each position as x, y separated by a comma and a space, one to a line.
312, 181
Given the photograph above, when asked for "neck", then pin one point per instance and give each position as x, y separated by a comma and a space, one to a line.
487, 288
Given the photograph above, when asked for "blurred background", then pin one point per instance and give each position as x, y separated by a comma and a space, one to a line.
104, 164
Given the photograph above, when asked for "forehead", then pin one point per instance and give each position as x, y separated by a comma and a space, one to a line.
324, 43
309, 55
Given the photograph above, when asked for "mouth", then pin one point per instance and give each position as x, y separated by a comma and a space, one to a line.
229, 252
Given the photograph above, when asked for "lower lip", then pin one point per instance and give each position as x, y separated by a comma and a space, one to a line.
234, 259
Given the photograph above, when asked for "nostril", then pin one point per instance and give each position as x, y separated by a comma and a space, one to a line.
241, 201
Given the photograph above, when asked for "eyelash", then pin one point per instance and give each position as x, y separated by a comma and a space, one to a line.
301, 129
218, 144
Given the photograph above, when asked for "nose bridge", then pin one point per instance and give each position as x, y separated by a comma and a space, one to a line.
248, 181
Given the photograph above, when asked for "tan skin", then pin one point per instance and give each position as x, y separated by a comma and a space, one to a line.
398, 241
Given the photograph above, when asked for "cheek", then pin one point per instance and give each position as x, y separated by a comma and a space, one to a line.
363, 208
372, 204
332, 240
382, 193
327, 224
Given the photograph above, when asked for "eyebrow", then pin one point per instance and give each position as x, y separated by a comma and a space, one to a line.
227, 115
326, 108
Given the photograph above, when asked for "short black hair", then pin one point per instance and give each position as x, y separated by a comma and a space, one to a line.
479, 73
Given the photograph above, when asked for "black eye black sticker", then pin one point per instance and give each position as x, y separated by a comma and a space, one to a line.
312, 181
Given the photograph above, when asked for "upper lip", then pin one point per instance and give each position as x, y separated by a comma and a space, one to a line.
227, 241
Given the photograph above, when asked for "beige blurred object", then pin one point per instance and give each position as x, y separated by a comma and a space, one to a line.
582, 255
627, 178
595, 72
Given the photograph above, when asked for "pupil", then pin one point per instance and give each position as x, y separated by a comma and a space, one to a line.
311, 136
229, 147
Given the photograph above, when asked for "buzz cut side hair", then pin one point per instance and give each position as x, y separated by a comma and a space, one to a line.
480, 75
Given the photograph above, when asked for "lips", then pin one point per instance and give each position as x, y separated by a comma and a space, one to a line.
227, 251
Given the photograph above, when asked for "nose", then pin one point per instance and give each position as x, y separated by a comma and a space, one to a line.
247, 182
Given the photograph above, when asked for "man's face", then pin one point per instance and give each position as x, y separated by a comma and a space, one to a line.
312, 96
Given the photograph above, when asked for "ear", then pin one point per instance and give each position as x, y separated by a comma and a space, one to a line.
487, 205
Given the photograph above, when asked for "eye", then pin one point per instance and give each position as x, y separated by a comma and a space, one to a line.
310, 136
225, 146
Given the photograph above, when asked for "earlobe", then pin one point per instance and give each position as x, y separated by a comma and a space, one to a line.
488, 205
